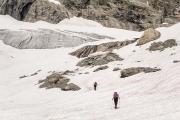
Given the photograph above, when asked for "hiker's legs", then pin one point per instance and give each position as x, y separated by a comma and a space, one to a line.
115, 102
95, 88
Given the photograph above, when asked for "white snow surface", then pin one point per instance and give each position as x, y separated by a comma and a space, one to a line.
55, 2
153, 96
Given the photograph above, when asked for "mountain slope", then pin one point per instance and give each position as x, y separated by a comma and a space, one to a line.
152, 96
126, 14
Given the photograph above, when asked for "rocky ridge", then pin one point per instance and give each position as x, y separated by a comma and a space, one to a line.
126, 14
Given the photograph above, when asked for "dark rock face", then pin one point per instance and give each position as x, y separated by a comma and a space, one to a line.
99, 60
87, 50
16, 8
163, 45
46, 11
113, 13
126, 14
135, 70
100, 68
57, 80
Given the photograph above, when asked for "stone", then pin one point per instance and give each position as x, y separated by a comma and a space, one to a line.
176, 61
87, 50
46, 11
163, 45
56, 80
70, 87
135, 70
116, 69
24, 76
101, 68
99, 60
124, 14
148, 36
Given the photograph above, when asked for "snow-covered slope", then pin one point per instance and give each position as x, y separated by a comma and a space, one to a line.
69, 33
153, 96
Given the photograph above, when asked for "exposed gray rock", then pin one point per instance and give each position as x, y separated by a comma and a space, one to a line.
67, 72
43, 38
16, 8
34, 74
24, 76
99, 60
101, 68
116, 69
162, 45
70, 87
170, 43
87, 50
126, 14
148, 36
55, 80
135, 70
58, 80
176, 61
46, 11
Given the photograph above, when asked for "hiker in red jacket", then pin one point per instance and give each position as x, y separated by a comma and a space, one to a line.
95, 85
116, 98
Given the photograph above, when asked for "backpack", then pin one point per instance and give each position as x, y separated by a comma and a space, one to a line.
95, 84
116, 95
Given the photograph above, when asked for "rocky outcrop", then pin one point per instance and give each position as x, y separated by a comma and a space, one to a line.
71, 87
58, 80
176, 61
116, 69
46, 11
100, 68
16, 8
163, 45
99, 60
87, 50
148, 36
135, 70
44, 38
125, 14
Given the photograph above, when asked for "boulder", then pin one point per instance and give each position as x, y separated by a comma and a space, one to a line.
148, 36
99, 60
170, 43
100, 68
87, 50
116, 69
135, 70
162, 45
56, 80
15, 8
46, 11
176, 61
70, 87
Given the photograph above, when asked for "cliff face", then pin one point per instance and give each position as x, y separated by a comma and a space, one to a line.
126, 14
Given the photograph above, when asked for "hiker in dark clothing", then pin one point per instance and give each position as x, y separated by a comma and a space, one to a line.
116, 98
95, 85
